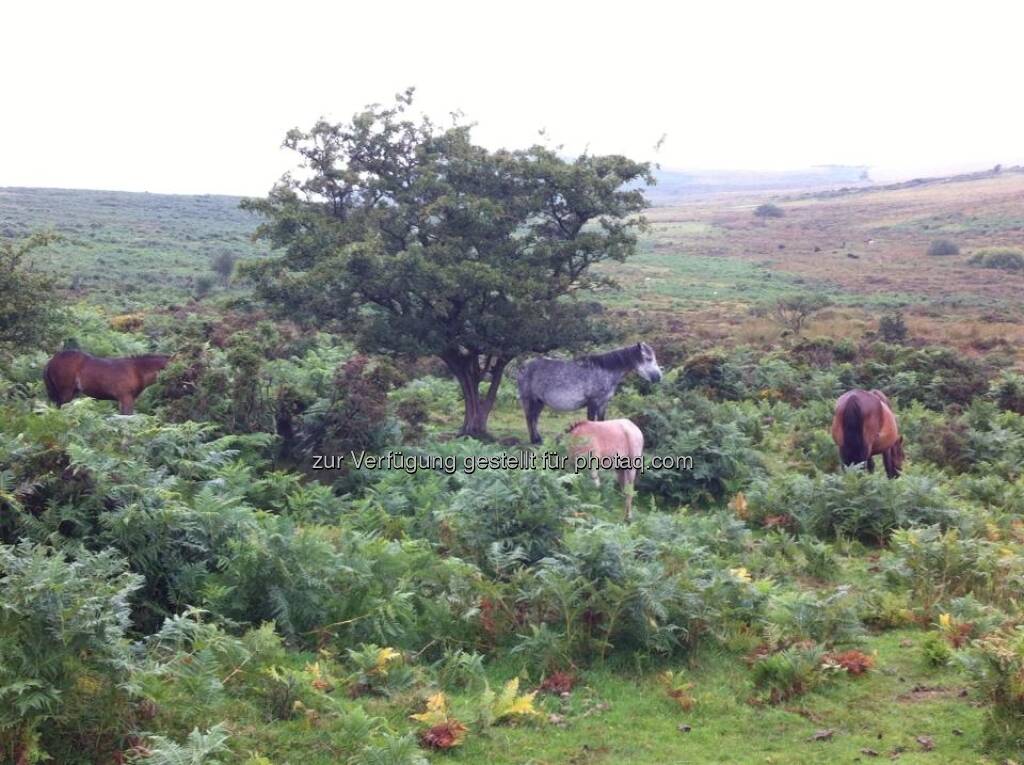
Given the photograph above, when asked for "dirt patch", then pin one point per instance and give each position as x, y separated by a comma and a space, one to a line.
930, 693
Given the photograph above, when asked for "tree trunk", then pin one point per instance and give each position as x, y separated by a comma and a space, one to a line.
469, 372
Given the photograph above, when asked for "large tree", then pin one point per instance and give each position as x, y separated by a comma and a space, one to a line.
421, 242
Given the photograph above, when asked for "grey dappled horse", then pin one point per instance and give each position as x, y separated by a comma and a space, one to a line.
589, 381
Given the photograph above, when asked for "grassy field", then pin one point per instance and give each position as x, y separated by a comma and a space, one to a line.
704, 282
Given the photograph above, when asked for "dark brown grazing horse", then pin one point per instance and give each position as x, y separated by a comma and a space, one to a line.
121, 379
864, 426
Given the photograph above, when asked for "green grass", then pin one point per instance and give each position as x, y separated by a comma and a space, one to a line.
623, 716
127, 250
642, 725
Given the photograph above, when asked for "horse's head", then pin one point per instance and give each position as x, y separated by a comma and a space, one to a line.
150, 365
648, 367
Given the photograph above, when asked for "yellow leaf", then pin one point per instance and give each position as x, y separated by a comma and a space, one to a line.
741, 573
739, 505
384, 657
436, 712
945, 620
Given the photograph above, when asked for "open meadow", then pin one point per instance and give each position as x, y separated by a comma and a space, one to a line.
184, 586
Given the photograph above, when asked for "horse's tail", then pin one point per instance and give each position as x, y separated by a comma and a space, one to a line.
854, 448
51, 387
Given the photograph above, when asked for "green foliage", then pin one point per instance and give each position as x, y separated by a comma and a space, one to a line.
787, 673
426, 243
1007, 391
506, 518
794, 311
355, 416
795, 617
935, 650
65, 657
892, 328
28, 297
768, 210
223, 264
937, 565
943, 248
997, 665
1003, 258
854, 504
200, 748
720, 440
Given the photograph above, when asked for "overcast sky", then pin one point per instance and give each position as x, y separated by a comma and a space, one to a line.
195, 97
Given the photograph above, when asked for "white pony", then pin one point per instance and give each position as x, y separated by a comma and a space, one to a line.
609, 444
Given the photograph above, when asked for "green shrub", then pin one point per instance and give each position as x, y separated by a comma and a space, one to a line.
719, 440
713, 374
937, 565
935, 650
943, 247
1007, 391
800, 616
996, 663
853, 504
66, 660
791, 672
499, 517
892, 328
1003, 258
768, 210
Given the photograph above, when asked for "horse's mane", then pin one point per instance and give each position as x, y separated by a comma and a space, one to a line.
575, 425
620, 358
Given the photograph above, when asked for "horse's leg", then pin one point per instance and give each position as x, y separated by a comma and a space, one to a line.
627, 479
533, 408
869, 463
126, 404
890, 465
593, 410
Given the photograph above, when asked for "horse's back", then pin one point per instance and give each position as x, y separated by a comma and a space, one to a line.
609, 437
877, 421
632, 436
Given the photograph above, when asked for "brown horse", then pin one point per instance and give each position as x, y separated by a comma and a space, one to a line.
121, 379
864, 426
615, 444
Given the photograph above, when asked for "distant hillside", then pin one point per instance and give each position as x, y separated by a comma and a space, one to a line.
120, 246
676, 185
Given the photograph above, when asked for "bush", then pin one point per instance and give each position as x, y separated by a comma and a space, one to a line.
1007, 391
502, 517
768, 210
892, 328
793, 312
223, 264
719, 439
65, 657
997, 664
943, 248
1004, 258
782, 675
203, 286
853, 504
29, 302
937, 565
